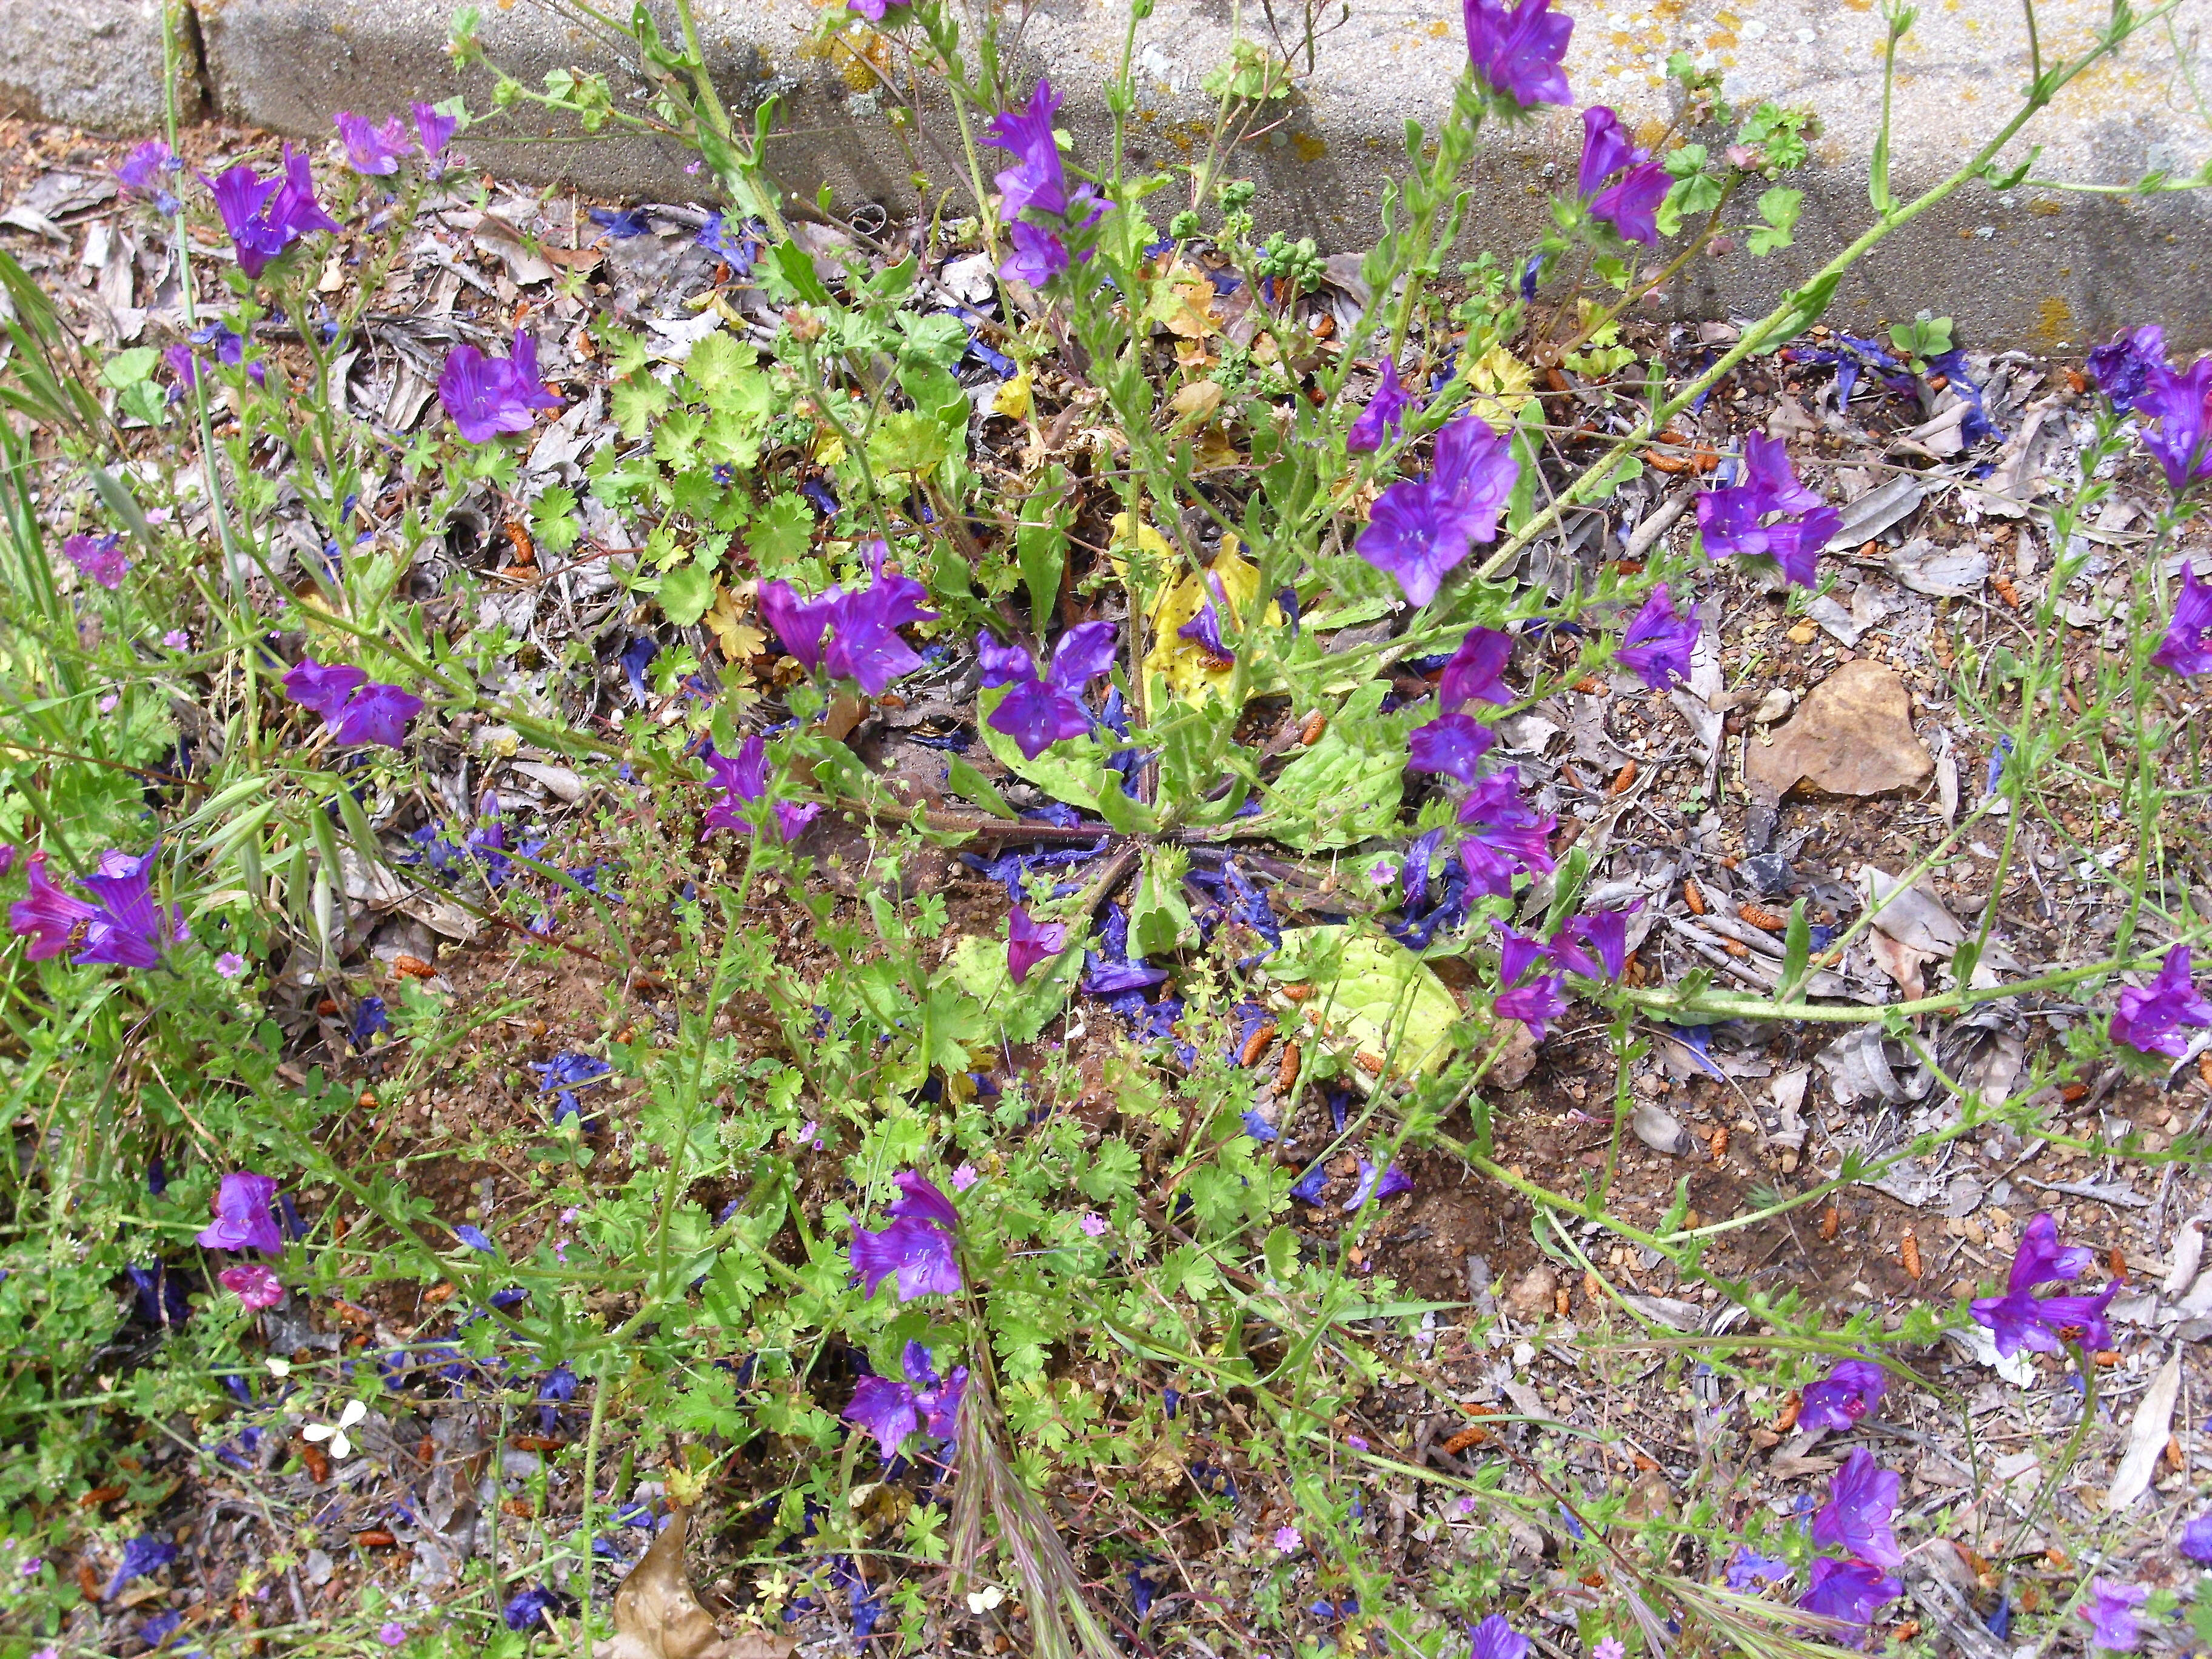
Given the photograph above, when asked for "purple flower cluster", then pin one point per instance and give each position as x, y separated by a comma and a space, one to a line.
891, 1410
1769, 513
486, 396
99, 558
1034, 196
1856, 1518
917, 1247
2111, 1612
1043, 709
375, 150
2187, 647
743, 781
1506, 837
1623, 187
862, 626
354, 708
147, 172
2020, 1319
121, 925
1379, 422
1516, 52
1840, 1399
265, 216
1657, 644
1422, 529
2149, 1016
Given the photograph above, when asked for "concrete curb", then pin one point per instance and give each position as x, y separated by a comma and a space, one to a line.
2046, 270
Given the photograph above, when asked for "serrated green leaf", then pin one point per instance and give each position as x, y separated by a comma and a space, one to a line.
636, 403
1016, 1012
780, 536
1348, 786
686, 593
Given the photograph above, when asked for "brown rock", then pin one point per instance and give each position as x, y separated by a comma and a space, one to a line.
1852, 736
1532, 1294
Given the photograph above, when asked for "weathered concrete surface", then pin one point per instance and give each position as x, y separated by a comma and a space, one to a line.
2039, 268
90, 62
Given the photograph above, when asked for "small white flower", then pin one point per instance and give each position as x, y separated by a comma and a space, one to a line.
336, 1433
982, 1601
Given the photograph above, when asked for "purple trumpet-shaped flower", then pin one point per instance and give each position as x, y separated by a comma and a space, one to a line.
744, 780
371, 150
141, 1556
917, 1245
2020, 1320
1385, 414
1041, 710
122, 926
1606, 148
1378, 1185
2111, 1612
2042, 1260
1855, 1517
1038, 255
1838, 1400
1656, 646
99, 557
432, 130
525, 1608
255, 1285
265, 216
1422, 529
1476, 670
1204, 629
2149, 1016
1734, 521
2187, 647
354, 708
242, 1217
1535, 1005
2195, 1541
1631, 203
1517, 53
1450, 743
1030, 942
1507, 838
891, 1410
2124, 363
1496, 1639
863, 642
1603, 933
1851, 1591
146, 172
1747, 1569
486, 396
2179, 401
1037, 179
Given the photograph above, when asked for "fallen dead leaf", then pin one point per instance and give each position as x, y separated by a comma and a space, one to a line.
1852, 736
657, 1615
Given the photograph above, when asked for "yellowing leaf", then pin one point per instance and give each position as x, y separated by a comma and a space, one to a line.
1012, 398
740, 640
1502, 383
1374, 1002
1148, 541
828, 447
1190, 671
1196, 403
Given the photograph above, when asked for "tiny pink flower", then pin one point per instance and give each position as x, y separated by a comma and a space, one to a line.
1094, 1226
108, 703
1611, 1648
392, 1633
255, 1286
1287, 1540
177, 639
230, 964
964, 1177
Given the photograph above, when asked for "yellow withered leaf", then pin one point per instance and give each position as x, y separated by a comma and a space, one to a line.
1189, 669
1501, 383
740, 640
1012, 398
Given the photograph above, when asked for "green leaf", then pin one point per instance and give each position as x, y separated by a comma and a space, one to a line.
1159, 920
1016, 1012
721, 366
964, 781
637, 402
796, 266
895, 282
908, 443
1797, 945
1348, 786
1281, 1250
780, 535
128, 368
938, 338
554, 525
685, 594
1779, 207
1371, 995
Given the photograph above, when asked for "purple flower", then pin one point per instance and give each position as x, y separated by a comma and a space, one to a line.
392, 1633
486, 395
2042, 1260
744, 780
354, 708
1656, 646
2124, 362
2180, 401
145, 173
99, 557
526, 1608
1855, 1517
2020, 1320
1037, 179
1749, 1569
2149, 1016
371, 149
242, 1220
1039, 711
1476, 670
918, 1245
891, 1410
864, 644
1204, 629
1110, 971
1496, 1639
1380, 420
1038, 256
2111, 1612
1507, 839
1517, 954
1851, 1591
122, 926
230, 964
1630, 205
1388, 1183
141, 1555
1450, 743
1517, 54
1845, 1396
48, 917
1605, 932
1029, 943
1606, 151
255, 1285
265, 216
2196, 1541
1731, 521
432, 129
1420, 529
1534, 1005
2187, 647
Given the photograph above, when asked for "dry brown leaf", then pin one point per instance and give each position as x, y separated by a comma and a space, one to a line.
657, 1615
1852, 736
